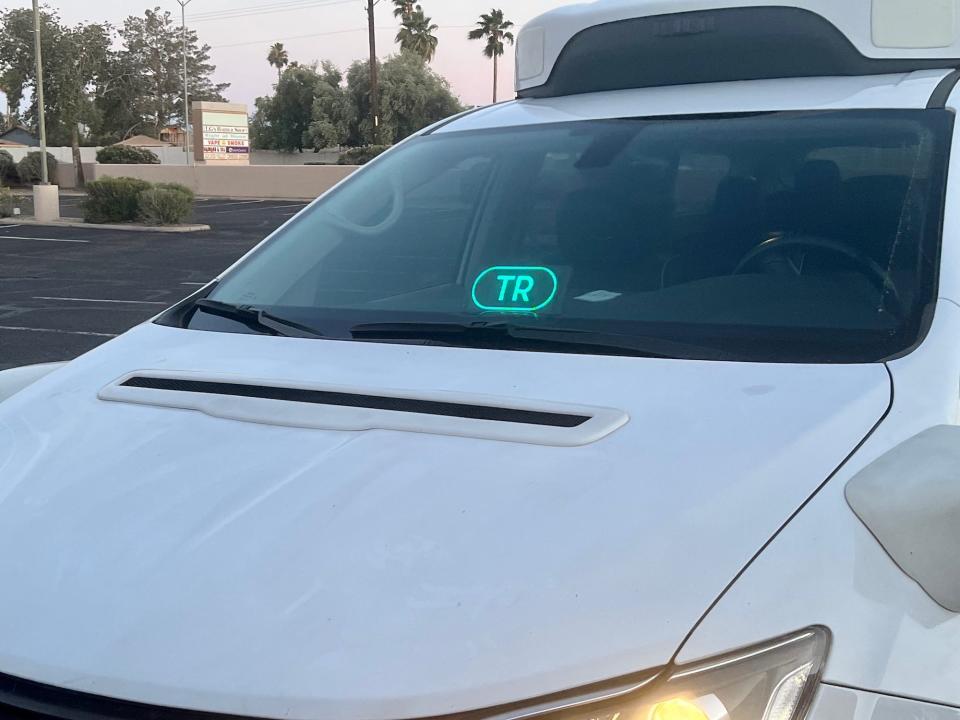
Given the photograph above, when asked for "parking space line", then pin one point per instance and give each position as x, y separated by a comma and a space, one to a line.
260, 209
61, 332
100, 300
41, 239
239, 202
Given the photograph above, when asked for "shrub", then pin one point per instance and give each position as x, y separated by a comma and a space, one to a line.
6, 203
126, 155
361, 155
113, 200
29, 171
165, 205
8, 168
177, 187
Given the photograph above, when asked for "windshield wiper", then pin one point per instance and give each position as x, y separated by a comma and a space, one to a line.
477, 334
258, 318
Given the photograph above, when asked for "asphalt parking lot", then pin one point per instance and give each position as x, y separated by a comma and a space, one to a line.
63, 291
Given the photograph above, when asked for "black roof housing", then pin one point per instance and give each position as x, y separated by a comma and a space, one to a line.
755, 43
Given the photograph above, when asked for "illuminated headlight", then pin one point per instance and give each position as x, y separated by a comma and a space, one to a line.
772, 681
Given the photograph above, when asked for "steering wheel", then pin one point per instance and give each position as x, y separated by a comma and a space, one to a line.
396, 210
801, 243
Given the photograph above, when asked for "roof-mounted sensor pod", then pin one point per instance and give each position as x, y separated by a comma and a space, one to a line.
621, 44
913, 25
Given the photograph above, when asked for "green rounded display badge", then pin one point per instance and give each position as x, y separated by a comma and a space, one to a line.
514, 288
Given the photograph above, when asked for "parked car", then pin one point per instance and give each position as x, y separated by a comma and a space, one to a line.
634, 397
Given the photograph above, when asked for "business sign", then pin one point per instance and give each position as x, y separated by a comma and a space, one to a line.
226, 136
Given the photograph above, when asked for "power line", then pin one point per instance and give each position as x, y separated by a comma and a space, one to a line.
290, 37
262, 6
263, 10
324, 34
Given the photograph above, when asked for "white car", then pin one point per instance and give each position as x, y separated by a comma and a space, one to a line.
636, 397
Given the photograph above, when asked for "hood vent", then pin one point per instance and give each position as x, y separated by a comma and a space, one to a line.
340, 408
370, 402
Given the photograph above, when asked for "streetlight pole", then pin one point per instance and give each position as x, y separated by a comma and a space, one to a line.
186, 110
38, 58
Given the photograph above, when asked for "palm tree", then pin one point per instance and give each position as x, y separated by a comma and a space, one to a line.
416, 35
278, 58
403, 9
496, 30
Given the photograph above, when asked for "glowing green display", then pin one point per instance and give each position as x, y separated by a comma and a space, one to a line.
514, 288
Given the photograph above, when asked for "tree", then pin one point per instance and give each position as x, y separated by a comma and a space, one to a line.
153, 44
416, 35
333, 114
403, 9
95, 87
16, 54
496, 30
278, 58
414, 96
282, 122
121, 101
262, 135
74, 58
83, 50
330, 74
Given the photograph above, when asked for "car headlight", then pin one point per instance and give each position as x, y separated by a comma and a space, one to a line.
775, 680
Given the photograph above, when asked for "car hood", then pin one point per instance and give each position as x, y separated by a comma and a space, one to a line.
174, 557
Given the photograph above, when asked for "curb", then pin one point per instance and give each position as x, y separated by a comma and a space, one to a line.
129, 227
28, 193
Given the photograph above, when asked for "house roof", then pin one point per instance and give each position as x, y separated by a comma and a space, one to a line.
18, 135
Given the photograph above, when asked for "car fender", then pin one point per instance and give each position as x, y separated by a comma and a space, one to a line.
16, 379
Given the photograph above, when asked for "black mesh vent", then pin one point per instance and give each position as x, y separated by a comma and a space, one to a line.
373, 402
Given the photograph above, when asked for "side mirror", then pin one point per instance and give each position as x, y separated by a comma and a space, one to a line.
909, 498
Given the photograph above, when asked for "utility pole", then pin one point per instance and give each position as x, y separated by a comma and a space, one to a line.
186, 107
46, 197
38, 58
374, 71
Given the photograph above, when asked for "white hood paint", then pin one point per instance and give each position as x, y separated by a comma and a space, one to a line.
166, 556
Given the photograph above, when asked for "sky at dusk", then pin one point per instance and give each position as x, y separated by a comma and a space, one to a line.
335, 31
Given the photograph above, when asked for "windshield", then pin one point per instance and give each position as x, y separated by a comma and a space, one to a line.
784, 237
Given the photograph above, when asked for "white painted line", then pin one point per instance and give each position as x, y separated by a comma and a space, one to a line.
24, 237
7, 227
100, 300
240, 202
62, 332
260, 209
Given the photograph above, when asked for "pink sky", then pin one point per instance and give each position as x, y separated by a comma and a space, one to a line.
337, 33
